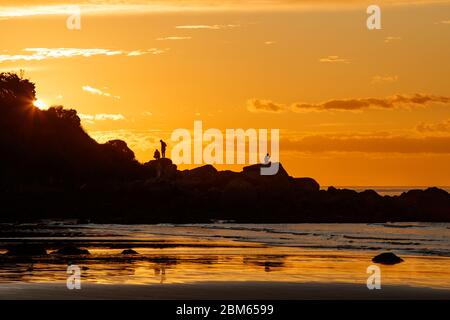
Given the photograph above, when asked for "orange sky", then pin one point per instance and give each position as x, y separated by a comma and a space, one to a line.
354, 107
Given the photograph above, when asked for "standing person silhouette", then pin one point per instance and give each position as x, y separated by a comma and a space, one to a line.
163, 148
157, 155
267, 159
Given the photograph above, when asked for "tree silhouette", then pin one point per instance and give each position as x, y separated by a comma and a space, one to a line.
43, 145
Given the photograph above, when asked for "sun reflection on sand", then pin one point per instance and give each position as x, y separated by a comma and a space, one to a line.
192, 265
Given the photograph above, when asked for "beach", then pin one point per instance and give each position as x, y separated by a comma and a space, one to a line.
227, 261
220, 291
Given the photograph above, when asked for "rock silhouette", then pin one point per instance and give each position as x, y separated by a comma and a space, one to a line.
27, 250
387, 258
51, 168
129, 251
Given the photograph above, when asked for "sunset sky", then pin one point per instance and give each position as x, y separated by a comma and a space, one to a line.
354, 106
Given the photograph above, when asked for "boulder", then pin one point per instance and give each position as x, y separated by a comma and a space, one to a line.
129, 251
432, 204
26, 250
239, 193
255, 169
161, 168
387, 258
306, 184
205, 173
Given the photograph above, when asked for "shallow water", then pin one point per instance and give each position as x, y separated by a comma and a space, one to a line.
232, 252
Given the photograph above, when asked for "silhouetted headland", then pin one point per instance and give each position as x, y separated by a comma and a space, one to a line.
51, 168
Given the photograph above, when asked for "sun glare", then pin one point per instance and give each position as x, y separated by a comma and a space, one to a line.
40, 104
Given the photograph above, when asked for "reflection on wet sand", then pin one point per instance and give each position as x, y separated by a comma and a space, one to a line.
190, 265
147, 255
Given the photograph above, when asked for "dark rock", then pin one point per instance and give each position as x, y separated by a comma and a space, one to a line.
72, 251
239, 193
387, 258
306, 184
27, 250
255, 169
203, 174
161, 168
129, 251
432, 204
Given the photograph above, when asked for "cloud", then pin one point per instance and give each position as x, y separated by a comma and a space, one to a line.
207, 27
91, 118
443, 22
173, 38
368, 144
98, 92
38, 54
391, 39
256, 105
439, 127
334, 59
137, 53
21, 8
269, 43
24, 8
384, 79
142, 141
393, 102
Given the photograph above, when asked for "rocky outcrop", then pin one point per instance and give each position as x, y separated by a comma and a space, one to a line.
162, 168
204, 194
306, 184
202, 175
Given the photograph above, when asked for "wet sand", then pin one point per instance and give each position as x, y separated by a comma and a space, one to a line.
217, 291
227, 261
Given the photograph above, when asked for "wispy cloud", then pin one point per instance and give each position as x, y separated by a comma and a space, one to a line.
384, 79
141, 141
393, 102
392, 39
99, 92
443, 22
92, 118
36, 10
369, 143
173, 38
334, 59
208, 27
257, 105
438, 127
38, 54
16, 8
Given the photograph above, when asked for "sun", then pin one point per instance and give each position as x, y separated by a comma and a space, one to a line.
40, 104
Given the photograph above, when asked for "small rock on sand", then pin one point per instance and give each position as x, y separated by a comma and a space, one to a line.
387, 258
129, 251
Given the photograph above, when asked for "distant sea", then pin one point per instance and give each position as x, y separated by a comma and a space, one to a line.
388, 190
